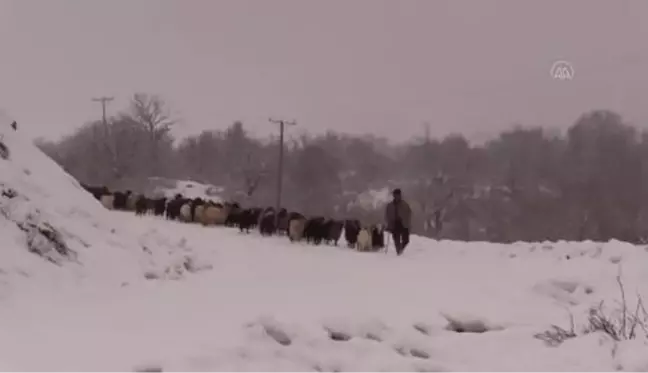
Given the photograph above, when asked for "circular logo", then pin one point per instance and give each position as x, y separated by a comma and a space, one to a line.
562, 70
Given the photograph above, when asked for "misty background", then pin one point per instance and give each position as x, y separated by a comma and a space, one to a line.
508, 153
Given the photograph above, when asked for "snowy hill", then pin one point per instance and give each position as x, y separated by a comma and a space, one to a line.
266, 304
52, 230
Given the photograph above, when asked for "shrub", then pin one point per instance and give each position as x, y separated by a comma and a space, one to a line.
4, 150
619, 323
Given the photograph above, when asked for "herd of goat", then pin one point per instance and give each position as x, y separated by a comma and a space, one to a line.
296, 226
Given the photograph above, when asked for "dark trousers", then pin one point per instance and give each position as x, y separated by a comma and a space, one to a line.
400, 235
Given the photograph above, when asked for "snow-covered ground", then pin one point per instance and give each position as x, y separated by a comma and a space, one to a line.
188, 188
373, 199
143, 293
259, 291
52, 231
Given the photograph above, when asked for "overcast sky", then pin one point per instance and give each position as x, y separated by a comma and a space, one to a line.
383, 67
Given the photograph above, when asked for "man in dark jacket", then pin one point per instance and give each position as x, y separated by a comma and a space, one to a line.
398, 217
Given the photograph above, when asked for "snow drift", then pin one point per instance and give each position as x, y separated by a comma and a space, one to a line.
51, 229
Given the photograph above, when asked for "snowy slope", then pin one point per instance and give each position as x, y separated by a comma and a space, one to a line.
270, 305
39, 200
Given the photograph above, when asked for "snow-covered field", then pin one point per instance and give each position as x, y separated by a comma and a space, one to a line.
143, 293
188, 188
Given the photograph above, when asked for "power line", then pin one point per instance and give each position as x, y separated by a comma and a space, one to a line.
282, 127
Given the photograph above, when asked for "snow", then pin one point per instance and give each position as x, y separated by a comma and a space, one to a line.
248, 303
189, 189
37, 195
373, 198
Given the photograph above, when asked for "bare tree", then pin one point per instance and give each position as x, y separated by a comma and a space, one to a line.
524, 185
314, 178
113, 153
253, 172
152, 113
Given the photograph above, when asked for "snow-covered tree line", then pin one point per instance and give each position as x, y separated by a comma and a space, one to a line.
527, 184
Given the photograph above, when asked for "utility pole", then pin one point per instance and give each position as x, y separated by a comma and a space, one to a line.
282, 126
426, 127
104, 100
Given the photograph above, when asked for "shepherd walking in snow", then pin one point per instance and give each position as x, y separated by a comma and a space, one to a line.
398, 217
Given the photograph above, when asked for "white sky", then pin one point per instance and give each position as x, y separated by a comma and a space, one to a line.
384, 67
